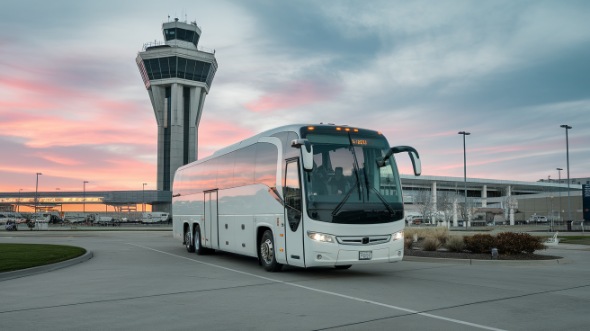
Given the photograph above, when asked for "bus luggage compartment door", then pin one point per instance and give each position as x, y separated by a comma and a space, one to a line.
211, 217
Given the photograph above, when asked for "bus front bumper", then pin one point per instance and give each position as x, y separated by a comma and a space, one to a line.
345, 255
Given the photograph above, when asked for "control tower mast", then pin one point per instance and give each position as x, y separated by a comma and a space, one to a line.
177, 76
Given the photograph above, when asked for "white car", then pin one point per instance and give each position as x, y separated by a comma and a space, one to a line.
537, 219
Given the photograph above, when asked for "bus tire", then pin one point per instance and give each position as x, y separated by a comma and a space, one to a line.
266, 253
188, 240
198, 245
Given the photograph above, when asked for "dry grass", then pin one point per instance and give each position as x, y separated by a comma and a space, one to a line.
440, 233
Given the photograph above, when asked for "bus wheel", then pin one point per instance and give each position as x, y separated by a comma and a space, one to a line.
198, 245
266, 252
188, 240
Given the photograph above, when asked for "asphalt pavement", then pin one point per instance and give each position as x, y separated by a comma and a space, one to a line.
146, 280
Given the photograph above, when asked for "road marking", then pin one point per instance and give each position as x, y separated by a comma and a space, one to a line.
447, 319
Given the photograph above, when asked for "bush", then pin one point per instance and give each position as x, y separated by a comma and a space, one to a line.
408, 242
441, 234
430, 244
510, 243
455, 244
480, 243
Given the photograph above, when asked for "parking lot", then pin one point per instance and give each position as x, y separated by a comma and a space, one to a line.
146, 280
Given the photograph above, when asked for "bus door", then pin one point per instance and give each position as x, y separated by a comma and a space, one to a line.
210, 221
293, 212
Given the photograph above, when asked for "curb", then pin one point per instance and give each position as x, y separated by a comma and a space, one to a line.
45, 268
486, 262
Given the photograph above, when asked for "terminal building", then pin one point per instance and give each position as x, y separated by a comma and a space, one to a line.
178, 74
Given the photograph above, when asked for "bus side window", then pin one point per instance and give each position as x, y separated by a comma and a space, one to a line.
293, 195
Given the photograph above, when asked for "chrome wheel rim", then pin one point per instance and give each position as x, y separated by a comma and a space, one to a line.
266, 251
187, 238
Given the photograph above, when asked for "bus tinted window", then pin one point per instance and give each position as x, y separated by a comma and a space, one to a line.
266, 164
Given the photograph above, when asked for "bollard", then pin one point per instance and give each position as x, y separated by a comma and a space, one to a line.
494, 253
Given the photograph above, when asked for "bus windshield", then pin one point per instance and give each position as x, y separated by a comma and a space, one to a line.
346, 184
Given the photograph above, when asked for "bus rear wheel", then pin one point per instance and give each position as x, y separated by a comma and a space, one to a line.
188, 240
198, 244
266, 252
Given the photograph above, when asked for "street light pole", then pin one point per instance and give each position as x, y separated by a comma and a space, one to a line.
559, 181
464, 133
36, 191
567, 154
143, 198
84, 197
18, 200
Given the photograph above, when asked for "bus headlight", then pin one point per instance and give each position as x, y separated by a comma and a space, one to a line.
321, 237
398, 235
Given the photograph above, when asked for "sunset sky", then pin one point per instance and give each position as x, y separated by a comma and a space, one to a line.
73, 105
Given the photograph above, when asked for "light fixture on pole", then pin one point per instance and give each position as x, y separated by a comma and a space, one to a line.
18, 200
464, 133
567, 155
84, 196
559, 181
36, 190
143, 198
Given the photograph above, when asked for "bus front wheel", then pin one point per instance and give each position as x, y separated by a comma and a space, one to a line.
266, 252
188, 240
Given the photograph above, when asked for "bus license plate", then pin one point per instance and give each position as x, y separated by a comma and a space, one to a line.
365, 255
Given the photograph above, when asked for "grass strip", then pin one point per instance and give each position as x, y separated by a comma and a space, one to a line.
22, 256
576, 240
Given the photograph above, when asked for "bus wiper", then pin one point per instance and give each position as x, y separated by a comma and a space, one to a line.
355, 165
385, 203
367, 185
339, 206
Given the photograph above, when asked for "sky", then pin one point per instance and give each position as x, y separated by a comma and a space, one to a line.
74, 108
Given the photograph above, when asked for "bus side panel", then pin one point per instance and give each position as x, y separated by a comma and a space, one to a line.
241, 209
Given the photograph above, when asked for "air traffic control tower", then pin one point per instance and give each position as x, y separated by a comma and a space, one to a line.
177, 76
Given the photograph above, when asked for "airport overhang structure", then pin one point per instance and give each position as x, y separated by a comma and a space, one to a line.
476, 187
111, 198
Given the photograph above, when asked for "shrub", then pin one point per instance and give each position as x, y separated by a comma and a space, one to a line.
480, 243
430, 244
455, 244
510, 243
441, 234
408, 242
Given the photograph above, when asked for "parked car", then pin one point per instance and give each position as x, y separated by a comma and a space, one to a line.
537, 219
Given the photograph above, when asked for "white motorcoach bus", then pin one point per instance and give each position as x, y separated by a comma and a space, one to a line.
300, 195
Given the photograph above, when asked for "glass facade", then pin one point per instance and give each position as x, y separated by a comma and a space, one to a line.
177, 67
182, 34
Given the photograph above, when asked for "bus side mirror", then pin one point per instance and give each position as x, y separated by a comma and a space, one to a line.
414, 156
306, 153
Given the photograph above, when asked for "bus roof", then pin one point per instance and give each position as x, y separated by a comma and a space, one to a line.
286, 128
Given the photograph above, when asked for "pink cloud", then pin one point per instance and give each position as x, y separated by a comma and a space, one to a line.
293, 95
215, 134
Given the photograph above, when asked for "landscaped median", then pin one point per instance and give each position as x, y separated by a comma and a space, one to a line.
22, 256
439, 243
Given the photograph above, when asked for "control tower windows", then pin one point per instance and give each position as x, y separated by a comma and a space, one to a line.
181, 34
178, 67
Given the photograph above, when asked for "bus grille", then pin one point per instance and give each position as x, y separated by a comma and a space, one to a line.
363, 240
